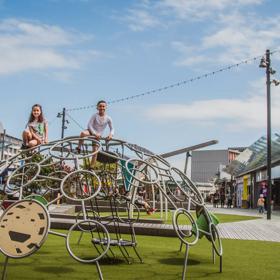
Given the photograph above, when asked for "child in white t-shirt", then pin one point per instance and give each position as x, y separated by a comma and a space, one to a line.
97, 125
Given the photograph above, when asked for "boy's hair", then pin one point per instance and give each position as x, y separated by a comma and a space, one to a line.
101, 101
41, 117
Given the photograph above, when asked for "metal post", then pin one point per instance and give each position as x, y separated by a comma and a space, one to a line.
99, 270
3, 144
4, 273
268, 100
188, 155
185, 262
63, 123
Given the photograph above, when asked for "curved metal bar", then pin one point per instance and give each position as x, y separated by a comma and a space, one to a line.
72, 155
90, 173
191, 186
29, 181
214, 235
193, 231
141, 171
95, 225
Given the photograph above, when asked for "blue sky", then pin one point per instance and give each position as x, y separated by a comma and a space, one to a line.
71, 53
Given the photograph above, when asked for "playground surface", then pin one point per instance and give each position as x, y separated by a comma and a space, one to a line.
102, 241
246, 254
256, 260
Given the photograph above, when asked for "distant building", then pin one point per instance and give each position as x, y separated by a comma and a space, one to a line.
10, 146
250, 172
208, 165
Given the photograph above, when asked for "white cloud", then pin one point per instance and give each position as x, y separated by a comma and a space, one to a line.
233, 114
232, 32
18, 32
200, 9
21, 59
26, 45
236, 37
248, 36
140, 19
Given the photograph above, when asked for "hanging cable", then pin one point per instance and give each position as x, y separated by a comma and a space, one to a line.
52, 120
76, 122
162, 89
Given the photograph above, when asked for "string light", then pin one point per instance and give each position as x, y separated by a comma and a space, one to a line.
164, 88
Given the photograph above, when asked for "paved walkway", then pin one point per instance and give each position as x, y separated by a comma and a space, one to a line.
257, 229
241, 211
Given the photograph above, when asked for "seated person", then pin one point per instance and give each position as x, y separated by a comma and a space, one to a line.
140, 201
36, 131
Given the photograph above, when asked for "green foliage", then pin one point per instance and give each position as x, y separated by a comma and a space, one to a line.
106, 172
45, 171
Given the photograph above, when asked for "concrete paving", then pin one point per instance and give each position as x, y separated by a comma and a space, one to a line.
243, 212
257, 229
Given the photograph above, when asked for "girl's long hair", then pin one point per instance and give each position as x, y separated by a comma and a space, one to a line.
40, 118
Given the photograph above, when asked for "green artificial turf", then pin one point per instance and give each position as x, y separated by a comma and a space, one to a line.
242, 260
223, 218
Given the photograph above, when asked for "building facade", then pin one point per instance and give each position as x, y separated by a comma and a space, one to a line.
9, 146
250, 172
207, 170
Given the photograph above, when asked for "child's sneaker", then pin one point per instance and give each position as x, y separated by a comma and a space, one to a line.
23, 147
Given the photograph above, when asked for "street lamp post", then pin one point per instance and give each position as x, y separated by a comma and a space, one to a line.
63, 122
265, 63
268, 110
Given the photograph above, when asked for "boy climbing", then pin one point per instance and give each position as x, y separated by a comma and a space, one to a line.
96, 126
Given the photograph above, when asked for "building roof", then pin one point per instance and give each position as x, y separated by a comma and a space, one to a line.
239, 149
255, 156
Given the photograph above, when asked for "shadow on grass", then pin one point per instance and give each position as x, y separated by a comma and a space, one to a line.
106, 261
178, 261
43, 253
111, 261
54, 269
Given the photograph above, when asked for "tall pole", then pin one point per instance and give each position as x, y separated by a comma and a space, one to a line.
268, 104
63, 123
188, 155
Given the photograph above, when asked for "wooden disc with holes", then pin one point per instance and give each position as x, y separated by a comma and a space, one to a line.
23, 228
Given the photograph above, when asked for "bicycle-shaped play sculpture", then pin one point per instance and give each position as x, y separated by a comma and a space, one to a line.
62, 171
